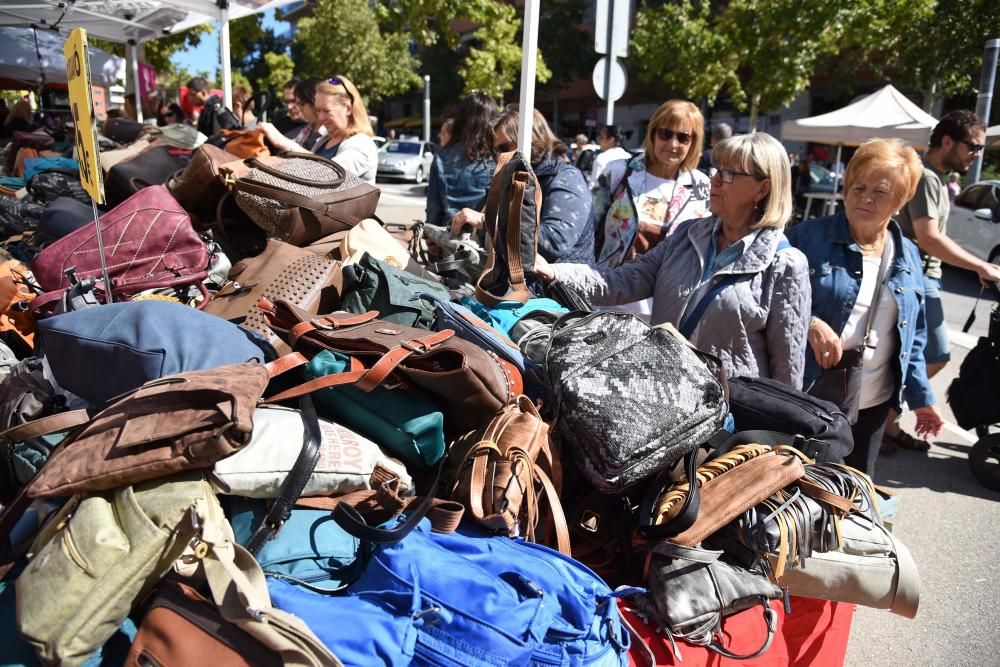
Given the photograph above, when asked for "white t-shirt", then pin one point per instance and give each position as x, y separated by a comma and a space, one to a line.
603, 159
876, 373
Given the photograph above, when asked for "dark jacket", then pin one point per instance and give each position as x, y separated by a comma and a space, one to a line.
835, 277
456, 182
566, 232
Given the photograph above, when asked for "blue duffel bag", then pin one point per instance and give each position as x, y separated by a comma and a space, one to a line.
102, 352
466, 599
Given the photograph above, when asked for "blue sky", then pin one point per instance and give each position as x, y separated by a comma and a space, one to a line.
205, 57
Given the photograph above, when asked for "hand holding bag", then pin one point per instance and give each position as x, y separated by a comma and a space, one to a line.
841, 384
303, 197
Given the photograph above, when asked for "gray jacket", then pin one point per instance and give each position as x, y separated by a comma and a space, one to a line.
757, 325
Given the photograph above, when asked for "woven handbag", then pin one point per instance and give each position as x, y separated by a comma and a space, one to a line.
303, 197
631, 399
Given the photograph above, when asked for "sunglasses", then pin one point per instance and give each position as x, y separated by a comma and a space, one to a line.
505, 147
975, 148
663, 134
337, 81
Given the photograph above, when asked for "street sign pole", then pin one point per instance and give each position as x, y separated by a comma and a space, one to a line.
985, 100
427, 107
529, 57
81, 101
610, 61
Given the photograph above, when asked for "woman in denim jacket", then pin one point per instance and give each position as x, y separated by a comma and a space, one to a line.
461, 172
844, 253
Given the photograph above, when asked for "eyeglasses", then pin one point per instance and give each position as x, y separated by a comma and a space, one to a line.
727, 176
975, 148
504, 147
337, 81
291, 102
664, 134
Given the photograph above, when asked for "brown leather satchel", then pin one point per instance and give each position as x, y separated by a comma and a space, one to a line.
729, 485
500, 473
200, 187
470, 384
282, 272
303, 197
174, 423
246, 143
183, 627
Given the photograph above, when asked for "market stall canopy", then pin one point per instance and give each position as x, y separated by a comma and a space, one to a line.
20, 65
122, 20
885, 113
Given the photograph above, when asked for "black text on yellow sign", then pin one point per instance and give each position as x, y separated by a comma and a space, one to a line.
81, 101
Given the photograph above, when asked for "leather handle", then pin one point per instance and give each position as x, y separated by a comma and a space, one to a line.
296, 480
267, 169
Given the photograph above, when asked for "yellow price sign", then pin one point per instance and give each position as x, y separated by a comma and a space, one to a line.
81, 100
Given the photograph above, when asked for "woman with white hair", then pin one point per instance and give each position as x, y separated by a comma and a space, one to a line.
731, 283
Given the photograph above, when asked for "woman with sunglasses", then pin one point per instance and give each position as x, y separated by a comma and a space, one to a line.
731, 283
461, 171
566, 226
349, 133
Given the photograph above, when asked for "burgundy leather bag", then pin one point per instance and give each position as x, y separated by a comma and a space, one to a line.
149, 243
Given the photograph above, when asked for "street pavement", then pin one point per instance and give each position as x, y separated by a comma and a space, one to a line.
949, 522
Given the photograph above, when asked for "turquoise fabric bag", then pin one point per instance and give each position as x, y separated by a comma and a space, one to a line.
406, 424
310, 550
505, 315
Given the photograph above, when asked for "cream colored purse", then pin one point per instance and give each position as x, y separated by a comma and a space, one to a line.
371, 237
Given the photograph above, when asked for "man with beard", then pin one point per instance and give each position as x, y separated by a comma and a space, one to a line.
955, 143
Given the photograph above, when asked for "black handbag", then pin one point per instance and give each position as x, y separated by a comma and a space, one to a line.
841, 384
974, 396
770, 412
151, 167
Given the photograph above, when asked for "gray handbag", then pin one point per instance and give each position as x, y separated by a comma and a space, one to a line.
691, 590
630, 399
303, 197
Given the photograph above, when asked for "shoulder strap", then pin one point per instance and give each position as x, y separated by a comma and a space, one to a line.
877, 297
691, 321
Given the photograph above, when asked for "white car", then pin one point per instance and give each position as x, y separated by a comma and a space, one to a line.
974, 222
407, 160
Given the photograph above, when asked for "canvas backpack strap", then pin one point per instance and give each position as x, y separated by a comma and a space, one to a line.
239, 590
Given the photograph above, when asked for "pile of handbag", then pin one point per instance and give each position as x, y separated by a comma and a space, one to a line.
327, 429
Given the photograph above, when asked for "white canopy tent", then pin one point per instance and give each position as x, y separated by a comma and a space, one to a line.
135, 21
20, 63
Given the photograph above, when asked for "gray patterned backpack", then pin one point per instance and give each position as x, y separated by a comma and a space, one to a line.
630, 399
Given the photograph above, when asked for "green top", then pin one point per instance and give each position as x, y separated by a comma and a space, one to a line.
929, 201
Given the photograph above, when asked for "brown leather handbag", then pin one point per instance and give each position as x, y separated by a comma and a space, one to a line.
303, 197
200, 187
183, 627
246, 143
174, 423
501, 472
470, 384
513, 210
282, 272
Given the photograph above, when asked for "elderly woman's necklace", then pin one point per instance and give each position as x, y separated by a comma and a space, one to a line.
870, 249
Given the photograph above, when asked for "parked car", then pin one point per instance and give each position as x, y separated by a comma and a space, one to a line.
407, 160
974, 222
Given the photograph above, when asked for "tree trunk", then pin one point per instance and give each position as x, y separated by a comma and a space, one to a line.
754, 103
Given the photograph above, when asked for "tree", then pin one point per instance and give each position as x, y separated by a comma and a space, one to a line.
343, 37
934, 47
762, 52
255, 48
280, 69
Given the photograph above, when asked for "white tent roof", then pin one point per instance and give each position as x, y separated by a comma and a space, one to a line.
121, 20
19, 59
885, 113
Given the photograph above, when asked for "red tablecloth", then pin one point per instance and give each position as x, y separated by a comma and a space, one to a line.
814, 634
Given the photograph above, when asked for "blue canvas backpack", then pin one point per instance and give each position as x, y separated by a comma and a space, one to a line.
465, 599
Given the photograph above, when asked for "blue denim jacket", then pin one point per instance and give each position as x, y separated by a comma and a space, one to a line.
835, 276
456, 182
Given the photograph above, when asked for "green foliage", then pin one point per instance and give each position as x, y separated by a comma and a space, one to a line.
343, 37
565, 43
931, 46
280, 68
494, 63
254, 49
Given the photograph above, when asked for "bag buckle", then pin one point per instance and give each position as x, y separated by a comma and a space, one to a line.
415, 346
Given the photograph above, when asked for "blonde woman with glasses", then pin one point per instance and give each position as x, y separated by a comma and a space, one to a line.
731, 283
348, 141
